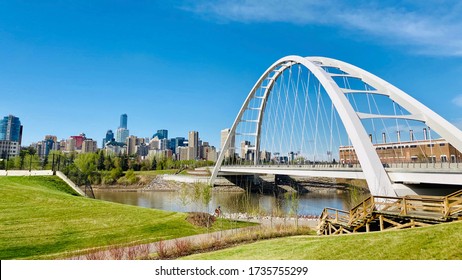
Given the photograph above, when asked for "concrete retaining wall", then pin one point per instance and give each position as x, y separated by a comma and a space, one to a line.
26, 173
69, 182
42, 173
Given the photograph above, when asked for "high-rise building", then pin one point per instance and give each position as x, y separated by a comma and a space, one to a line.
11, 129
174, 143
109, 137
193, 142
208, 152
123, 121
79, 140
9, 149
161, 134
122, 131
122, 135
89, 146
131, 145
230, 151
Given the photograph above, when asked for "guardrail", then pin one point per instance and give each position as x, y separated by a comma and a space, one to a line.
402, 165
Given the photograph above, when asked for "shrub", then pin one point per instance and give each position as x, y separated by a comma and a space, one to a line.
201, 219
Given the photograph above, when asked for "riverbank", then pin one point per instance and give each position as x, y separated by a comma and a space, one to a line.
43, 218
167, 182
265, 184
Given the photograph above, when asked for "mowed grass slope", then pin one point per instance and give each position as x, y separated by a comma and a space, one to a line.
438, 242
41, 217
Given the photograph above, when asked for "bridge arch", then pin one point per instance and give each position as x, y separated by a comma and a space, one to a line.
377, 179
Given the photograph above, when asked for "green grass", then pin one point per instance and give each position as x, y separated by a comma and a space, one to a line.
440, 242
41, 217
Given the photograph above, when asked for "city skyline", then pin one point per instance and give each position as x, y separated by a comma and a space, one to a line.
71, 67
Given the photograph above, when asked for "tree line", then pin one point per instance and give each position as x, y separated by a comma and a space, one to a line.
96, 168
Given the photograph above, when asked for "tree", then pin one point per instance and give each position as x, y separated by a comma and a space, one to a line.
86, 164
154, 164
101, 160
109, 163
124, 162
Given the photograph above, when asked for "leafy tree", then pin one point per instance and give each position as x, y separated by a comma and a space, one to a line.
86, 164
109, 163
154, 164
101, 161
124, 162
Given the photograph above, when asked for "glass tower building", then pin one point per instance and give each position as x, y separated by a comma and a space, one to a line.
161, 134
123, 121
10, 129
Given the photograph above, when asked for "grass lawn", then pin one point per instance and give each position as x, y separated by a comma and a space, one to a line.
41, 217
441, 242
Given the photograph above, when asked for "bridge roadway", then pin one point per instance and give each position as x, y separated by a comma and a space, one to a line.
401, 173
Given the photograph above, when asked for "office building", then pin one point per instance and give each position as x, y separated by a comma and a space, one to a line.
230, 151
208, 152
161, 134
109, 137
131, 145
9, 149
123, 132
11, 129
193, 143
123, 121
89, 146
78, 141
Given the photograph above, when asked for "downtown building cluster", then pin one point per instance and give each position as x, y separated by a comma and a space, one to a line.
159, 145
119, 143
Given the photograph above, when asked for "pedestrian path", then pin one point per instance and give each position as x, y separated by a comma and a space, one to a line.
145, 251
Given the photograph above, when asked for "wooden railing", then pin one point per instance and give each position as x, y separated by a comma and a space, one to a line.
361, 211
335, 215
454, 203
424, 207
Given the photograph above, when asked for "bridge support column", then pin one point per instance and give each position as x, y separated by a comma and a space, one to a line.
256, 180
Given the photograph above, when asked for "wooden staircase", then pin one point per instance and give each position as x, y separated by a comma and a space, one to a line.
378, 213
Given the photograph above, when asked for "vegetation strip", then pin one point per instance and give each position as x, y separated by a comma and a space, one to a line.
439, 242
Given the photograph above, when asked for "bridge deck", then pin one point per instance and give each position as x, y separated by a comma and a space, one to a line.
411, 173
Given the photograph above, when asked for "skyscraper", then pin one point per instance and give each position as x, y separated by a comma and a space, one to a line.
161, 134
11, 129
122, 131
230, 151
109, 137
193, 142
123, 121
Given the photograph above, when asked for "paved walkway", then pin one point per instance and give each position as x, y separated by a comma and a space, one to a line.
145, 250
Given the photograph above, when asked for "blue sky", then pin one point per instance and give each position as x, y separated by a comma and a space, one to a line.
68, 67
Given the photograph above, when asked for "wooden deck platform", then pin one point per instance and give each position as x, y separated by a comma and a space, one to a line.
378, 213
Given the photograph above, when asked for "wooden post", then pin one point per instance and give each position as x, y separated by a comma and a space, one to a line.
446, 207
404, 206
381, 222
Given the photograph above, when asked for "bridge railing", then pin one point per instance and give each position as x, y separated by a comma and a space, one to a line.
321, 165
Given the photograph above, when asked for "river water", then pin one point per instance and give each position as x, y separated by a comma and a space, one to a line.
309, 204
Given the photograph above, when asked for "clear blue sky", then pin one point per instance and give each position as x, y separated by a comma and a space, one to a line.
69, 66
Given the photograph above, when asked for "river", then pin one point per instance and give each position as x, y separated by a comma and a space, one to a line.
309, 204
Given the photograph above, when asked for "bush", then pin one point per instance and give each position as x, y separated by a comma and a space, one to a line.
201, 219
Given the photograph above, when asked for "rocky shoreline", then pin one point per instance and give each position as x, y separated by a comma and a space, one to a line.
172, 183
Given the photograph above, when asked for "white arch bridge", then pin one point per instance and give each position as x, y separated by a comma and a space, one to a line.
317, 116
